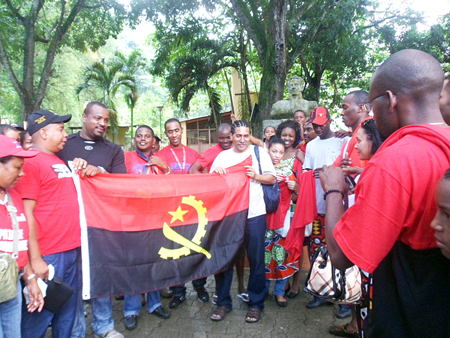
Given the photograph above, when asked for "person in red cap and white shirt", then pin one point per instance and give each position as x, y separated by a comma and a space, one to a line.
323, 150
12, 157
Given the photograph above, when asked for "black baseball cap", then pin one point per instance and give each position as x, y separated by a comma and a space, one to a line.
41, 118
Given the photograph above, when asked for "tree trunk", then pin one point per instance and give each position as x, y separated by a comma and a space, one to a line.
275, 65
28, 108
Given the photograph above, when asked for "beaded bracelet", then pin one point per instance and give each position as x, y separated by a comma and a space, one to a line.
331, 191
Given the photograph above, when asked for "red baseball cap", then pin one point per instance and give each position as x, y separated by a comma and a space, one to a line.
320, 116
10, 147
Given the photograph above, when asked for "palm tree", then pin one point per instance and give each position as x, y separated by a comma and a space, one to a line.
189, 60
109, 78
131, 66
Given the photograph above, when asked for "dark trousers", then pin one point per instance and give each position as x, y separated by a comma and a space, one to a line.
180, 290
254, 243
35, 324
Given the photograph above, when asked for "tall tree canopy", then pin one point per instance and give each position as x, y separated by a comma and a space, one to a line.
280, 30
32, 32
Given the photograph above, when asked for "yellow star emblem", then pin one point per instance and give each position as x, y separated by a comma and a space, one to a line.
178, 214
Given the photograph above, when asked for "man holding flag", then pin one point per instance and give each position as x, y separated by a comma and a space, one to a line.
256, 222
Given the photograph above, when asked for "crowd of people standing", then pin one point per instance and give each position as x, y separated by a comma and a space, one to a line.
375, 205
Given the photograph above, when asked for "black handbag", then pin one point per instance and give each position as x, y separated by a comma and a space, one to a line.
58, 293
271, 192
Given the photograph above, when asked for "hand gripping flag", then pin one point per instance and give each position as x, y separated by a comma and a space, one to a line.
145, 232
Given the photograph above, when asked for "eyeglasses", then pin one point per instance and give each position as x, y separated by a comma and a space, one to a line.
379, 96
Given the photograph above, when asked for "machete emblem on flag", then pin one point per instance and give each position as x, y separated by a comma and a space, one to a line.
188, 245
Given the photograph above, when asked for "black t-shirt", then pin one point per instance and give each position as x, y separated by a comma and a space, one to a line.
411, 295
100, 152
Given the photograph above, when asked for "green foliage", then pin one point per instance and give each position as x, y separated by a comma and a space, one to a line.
111, 76
189, 56
33, 32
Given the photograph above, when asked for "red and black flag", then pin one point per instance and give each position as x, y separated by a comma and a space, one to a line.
145, 232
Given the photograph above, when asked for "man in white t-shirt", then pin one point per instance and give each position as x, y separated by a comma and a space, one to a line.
256, 223
323, 150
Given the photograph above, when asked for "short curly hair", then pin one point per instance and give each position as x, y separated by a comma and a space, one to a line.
294, 126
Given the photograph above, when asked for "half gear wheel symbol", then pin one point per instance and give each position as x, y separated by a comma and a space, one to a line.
165, 253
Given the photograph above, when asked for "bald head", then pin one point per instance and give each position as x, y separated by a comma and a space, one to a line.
405, 91
224, 136
412, 73
224, 127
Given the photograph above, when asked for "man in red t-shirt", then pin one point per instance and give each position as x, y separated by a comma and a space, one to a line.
204, 162
51, 207
137, 161
176, 158
387, 231
356, 107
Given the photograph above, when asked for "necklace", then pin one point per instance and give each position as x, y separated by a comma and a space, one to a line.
438, 124
178, 161
3, 199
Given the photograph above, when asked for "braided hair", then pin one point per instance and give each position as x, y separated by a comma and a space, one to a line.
237, 124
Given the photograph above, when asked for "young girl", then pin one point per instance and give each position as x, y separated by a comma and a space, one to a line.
278, 265
268, 133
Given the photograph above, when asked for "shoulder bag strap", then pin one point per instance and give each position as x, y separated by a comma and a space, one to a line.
12, 211
256, 149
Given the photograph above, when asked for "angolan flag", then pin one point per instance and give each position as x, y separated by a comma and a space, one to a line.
145, 232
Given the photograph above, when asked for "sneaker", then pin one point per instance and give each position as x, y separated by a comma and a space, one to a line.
202, 295
110, 334
176, 301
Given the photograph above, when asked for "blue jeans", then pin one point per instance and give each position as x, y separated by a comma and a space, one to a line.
254, 243
279, 286
34, 325
102, 317
11, 314
79, 327
132, 304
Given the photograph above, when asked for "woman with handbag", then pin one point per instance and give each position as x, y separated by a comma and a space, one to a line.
14, 242
368, 142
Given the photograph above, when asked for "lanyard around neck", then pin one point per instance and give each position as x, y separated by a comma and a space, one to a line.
178, 161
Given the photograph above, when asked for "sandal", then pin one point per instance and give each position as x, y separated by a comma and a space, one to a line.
342, 331
214, 299
253, 315
244, 297
219, 313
